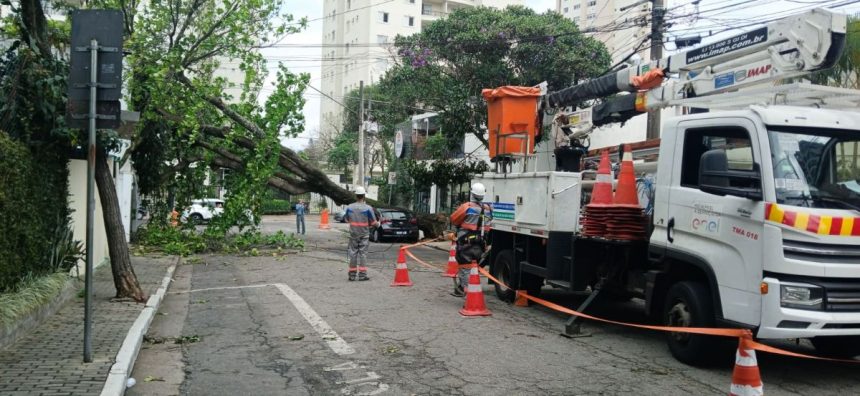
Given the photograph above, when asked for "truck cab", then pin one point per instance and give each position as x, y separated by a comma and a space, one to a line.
760, 210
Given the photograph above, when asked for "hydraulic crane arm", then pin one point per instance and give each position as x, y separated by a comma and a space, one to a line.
786, 48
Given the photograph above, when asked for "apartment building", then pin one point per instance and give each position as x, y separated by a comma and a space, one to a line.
614, 22
357, 38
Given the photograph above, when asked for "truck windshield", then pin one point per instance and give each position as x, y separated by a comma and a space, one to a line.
817, 168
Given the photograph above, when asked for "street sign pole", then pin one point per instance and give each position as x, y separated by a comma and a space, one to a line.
95, 84
91, 203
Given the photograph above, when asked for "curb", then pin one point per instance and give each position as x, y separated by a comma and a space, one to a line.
125, 358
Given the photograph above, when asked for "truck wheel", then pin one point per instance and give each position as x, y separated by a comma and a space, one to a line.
845, 347
503, 271
688, 304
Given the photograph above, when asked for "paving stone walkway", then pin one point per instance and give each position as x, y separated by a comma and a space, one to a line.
50, 360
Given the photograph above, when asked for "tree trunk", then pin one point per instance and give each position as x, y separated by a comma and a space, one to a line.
124, 278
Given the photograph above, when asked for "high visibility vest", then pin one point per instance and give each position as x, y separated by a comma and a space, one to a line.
468, 216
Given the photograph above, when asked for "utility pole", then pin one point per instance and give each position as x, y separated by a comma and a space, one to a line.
361, 135
658, 11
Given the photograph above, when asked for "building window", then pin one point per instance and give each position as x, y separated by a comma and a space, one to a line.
381, 39
565, 10
347, 48
426, 9
382, 64
348, 4
383, 17
408, 20
576, 6
576, 19
592, 3
591, 16
410, 1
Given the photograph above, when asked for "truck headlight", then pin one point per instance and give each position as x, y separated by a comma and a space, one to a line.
801, 296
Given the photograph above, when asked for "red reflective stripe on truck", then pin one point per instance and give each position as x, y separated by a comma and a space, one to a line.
836, 226
814, 222
788, 218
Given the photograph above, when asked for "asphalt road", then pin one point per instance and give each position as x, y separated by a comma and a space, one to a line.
294, 325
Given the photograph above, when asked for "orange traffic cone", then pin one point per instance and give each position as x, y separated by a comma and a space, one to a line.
451, 272
746, 379
401, 274
324, 220
595, 216
626, 194
474, 304
601, 194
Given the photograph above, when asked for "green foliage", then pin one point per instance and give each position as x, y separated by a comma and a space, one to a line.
33, 190
29, 295
445, 66
251, 239
276, 207
444, 172
193, 39
65, 250
183, 242
345, 151
846, 72
33, 106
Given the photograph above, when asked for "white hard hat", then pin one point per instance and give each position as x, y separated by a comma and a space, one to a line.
360, 191
478, 190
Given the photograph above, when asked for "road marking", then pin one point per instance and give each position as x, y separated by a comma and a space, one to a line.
337, 344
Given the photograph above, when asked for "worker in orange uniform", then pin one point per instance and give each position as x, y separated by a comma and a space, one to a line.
474, 220
360, 217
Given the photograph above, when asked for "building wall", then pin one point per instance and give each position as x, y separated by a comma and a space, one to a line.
604, 17
78, 206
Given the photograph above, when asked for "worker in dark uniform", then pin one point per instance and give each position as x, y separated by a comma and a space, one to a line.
360, 217
474, 220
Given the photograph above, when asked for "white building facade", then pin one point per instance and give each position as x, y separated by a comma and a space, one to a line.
357, 38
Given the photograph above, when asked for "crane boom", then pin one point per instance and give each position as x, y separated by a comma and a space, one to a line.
785, 48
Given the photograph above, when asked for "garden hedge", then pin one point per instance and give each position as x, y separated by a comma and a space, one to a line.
33, 204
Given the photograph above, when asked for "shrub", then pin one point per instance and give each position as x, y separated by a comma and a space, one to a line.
29, 295
33, 206
276, 207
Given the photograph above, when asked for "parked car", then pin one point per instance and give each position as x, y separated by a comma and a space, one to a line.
202, 210
395, 223
339, 216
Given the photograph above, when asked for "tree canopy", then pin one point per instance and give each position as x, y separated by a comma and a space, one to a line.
445, 67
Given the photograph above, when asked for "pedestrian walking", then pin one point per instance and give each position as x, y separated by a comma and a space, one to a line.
301, 208
360, 217
474, 220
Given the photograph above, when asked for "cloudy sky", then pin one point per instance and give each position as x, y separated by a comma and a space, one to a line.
306, 58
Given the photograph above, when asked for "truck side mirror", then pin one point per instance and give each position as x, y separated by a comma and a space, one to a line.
715, 177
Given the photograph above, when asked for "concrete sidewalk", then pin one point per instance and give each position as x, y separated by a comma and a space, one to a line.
49, 361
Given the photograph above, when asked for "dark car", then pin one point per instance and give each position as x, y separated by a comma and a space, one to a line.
339, 216
395, 223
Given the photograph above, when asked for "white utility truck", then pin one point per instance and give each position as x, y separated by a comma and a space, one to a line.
756, 205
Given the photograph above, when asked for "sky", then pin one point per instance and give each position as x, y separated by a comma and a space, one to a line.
306, 60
